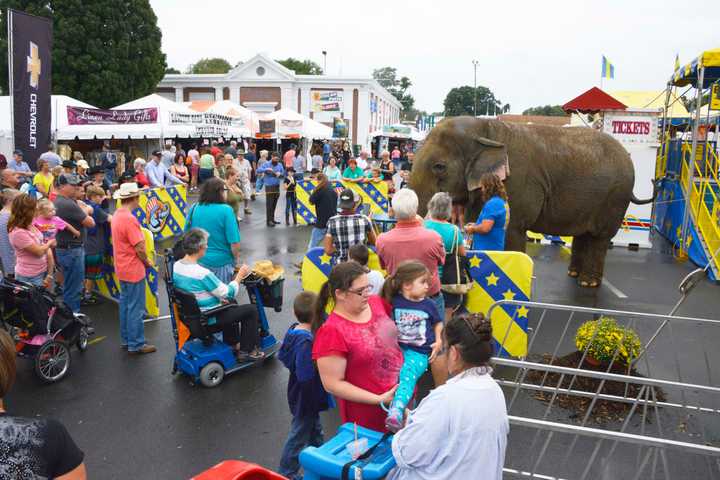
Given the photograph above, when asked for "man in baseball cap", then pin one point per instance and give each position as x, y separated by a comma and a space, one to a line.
348, 228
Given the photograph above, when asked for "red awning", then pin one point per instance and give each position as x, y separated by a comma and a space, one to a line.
593, 101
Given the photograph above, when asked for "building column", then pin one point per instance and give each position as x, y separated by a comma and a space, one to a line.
235, 94
363, 119
305, 101
218, 93
178, 94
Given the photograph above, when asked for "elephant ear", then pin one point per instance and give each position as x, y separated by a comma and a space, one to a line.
491, 157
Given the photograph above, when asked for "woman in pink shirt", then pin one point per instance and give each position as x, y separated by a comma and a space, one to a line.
35, 262
356, 348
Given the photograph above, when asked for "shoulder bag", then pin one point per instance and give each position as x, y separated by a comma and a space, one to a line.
456, 271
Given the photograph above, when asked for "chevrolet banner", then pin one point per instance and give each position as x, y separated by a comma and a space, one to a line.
30, 65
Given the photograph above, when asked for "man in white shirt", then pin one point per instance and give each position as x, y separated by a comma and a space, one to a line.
168, 156
362, 160
52, 158
157, 173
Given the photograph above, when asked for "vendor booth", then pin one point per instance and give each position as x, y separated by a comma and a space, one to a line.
398, 135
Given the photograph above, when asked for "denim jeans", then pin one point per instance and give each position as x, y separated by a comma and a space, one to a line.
291, 206
439, 301
223, 273
316, 237
132, 311
37, 280
304, 431
72, 263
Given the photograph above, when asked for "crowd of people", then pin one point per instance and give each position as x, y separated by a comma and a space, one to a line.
363, 341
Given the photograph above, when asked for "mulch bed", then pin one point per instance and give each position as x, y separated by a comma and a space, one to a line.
603, 411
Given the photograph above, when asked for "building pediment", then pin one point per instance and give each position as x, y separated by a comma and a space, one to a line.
261, 68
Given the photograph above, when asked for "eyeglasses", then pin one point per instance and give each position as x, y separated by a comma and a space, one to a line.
362, 290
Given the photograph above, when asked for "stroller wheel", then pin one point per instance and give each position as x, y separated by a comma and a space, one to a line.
82, 342
52, 361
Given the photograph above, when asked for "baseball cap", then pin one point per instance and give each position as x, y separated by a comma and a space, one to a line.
347, 200
68, 179
68, 164
157, 153
18, 152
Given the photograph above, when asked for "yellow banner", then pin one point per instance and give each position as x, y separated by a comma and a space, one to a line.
163, 211
373, 194
715, 97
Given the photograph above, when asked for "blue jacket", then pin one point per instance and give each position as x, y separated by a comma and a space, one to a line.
306, 395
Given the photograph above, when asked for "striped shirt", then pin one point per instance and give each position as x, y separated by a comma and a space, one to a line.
201, 282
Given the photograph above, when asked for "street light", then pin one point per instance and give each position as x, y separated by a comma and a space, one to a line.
324, 53
475, 64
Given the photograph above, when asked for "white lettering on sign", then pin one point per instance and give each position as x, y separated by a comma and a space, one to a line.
32, 139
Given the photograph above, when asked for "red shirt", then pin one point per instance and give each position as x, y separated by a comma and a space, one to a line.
412, 241
215, 151
288, 158
126, 234
141, 180
373, 359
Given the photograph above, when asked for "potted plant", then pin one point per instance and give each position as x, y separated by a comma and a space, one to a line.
603, 337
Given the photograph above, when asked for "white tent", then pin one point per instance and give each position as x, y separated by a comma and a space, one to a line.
244, 120
168, 124
290, 123
407, 132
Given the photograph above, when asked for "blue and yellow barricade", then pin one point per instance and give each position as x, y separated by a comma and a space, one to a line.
316, 268
373, 194
496, 276
109, 286
163, 211
548, 239
502, 276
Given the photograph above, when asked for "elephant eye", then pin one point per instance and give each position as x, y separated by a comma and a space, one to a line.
439, 168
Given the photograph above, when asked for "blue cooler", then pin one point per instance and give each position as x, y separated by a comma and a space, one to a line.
326, 462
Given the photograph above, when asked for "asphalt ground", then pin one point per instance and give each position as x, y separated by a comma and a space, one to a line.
133, 419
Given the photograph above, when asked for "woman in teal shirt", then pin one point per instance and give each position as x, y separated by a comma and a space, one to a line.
353, 173
216, 217
489, 230
332, 172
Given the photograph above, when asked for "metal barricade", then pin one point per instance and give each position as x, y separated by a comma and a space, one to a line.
564, 413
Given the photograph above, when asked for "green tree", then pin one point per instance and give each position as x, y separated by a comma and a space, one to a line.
209, 65
460, 100
547, 111
301, 67
398, 87
104, 52
171, 70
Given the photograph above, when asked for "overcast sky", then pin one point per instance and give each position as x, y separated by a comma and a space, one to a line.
530, 53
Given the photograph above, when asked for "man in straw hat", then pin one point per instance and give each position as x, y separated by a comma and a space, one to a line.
130, 262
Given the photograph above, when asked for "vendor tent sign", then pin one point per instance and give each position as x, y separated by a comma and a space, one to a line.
95, 116
326, 101
30, 46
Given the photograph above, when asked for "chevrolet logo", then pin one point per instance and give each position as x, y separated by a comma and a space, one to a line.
34, 65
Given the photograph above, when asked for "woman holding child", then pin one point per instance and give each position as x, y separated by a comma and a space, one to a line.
356, 348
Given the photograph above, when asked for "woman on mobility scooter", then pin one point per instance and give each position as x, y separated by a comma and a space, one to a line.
210, 292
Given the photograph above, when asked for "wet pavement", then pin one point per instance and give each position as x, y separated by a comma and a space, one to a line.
134, 419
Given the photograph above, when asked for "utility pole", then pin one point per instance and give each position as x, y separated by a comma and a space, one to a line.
475, 64
324, 53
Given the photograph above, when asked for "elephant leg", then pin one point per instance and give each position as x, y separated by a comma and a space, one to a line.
515, 240
593, 261
579, 245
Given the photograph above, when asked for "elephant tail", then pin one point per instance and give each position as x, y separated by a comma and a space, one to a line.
645, 201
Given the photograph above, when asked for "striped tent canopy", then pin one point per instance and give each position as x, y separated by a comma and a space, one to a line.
688, 75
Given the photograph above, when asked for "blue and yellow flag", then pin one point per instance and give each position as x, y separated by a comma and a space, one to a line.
608, 69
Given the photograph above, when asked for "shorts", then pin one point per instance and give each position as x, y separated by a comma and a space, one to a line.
452, 300
93, 267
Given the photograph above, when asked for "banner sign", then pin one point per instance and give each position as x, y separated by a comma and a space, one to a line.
638, 129
266, 128
391, 130
326, 101
205, 119
30, 82
96, 116
340, 129
715, 97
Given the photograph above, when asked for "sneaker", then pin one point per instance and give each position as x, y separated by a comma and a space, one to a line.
394, 420
88, 299
147, 348
248, 211
255, 355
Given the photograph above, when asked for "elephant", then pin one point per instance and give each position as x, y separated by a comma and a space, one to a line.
560, 181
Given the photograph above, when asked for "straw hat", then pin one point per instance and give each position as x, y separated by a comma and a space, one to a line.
82, 164
127, 190
266, 269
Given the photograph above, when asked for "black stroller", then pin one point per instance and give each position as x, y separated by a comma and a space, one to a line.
43, 328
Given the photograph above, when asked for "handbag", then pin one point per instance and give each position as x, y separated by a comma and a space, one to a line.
456, 271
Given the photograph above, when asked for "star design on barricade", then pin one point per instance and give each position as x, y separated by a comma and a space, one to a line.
492, 279
678, 232
475, 261
509, 295
522, 311
325, 259
151, 277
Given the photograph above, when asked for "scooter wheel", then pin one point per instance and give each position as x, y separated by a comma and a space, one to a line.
212, 375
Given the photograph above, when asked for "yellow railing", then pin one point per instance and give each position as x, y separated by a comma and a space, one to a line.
704, 202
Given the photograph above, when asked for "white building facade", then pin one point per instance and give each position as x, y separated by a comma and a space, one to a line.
263, 85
